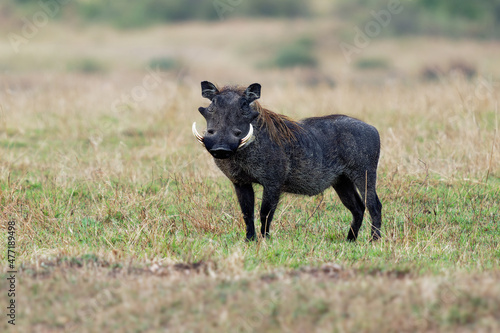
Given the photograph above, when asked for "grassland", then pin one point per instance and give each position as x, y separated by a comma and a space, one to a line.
125, 224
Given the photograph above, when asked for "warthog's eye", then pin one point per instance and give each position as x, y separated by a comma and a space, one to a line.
244, 103
210, 131
237, 132
215, 100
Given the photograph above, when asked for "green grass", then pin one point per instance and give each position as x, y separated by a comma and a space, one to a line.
372, 63
299, 53
86, 66
428, 227
164, 63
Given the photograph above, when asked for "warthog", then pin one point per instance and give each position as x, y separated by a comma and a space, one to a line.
251, 144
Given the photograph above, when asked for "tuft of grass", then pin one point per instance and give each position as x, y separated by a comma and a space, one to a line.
372, 63
456, 66
86, 66
164, 63
299, 53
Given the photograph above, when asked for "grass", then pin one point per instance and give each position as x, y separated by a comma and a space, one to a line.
372, 63
164, 63
125, 224
451, 226
86, 66
296, 54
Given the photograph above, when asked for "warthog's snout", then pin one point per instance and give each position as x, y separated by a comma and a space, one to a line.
221, 152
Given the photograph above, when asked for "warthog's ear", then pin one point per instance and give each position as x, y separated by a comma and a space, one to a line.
252, 92
208, 90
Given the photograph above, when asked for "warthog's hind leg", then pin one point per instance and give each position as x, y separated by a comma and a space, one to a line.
369, 195
351, 199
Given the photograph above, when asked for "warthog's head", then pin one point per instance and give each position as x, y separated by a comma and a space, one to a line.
228, 117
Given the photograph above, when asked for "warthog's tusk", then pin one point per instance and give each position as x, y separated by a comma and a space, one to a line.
197, 135
247, 138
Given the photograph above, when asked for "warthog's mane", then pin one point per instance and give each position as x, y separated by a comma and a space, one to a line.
281, 128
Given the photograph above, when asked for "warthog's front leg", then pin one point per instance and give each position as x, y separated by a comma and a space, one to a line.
246, 198
270, 200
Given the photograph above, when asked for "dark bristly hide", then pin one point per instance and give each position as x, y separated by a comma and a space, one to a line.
251, 144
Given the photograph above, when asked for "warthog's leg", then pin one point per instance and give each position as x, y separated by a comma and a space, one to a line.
367, 184
351, 199
246, 198
375, 210
270, 200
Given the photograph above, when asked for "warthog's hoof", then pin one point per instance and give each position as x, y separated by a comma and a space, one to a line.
266, 235
351, 237
251, 238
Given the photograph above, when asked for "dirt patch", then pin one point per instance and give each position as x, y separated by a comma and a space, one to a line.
83, 264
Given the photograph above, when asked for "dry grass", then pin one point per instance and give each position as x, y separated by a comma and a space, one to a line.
204, 297
124, 222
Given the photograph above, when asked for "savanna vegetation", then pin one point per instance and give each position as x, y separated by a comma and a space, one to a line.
453, 18
124, 223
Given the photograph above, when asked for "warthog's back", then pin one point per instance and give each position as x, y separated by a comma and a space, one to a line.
327, 148
348, 137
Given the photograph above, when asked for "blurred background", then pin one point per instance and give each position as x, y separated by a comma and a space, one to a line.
312, 43
117, 83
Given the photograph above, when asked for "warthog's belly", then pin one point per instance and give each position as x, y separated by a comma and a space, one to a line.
310, 182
